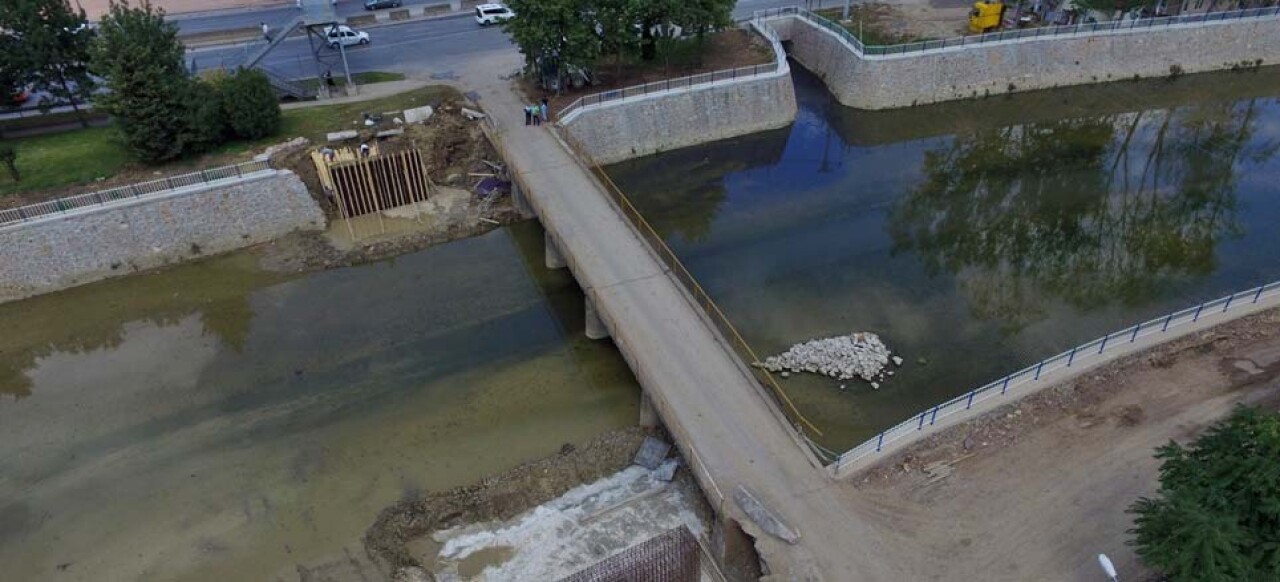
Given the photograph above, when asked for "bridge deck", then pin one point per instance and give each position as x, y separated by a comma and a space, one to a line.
707, 397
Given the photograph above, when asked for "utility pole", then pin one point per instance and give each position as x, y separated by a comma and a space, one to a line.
845, 16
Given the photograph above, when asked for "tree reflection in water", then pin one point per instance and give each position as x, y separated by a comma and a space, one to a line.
1088, 210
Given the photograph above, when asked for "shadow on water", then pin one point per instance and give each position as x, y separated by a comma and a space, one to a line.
976, 237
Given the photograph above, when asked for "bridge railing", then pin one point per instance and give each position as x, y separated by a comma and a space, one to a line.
1040, 374
1019, 34
139, 190
681, 83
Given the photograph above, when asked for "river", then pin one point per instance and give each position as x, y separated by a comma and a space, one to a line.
215, 421
975, 237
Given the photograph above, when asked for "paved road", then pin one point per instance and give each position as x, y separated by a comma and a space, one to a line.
277, 16
434, 46
214, 21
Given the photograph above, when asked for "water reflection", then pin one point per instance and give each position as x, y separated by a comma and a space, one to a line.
975, 237
93, 317
215, 422
1089, 210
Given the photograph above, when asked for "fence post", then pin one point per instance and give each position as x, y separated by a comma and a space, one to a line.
168, 181
1135, 333
1166, 323
1072, 357
1197, 316
238, 174
1258, 294
1104, 343
1038, 368
879, 442
921, 425
972, 393
934, 418
1005, 388
1228, 304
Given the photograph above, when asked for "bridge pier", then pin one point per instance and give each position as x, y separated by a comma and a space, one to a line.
555, 260
520, 200
595, 328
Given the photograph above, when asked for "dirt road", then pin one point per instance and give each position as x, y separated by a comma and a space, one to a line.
1035, 490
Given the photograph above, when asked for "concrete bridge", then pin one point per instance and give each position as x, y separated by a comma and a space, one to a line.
742, 449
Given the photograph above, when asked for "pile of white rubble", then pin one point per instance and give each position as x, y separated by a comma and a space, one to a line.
844, 357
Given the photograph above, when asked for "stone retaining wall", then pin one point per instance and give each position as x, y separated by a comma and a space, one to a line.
649, 124
889, 81
94, 243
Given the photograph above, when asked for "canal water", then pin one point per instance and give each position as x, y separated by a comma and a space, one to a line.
978, 237
218, 422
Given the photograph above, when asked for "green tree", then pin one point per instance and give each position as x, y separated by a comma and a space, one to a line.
252, 109
13, 75
52, 48
142, 60
554, 34
1216, 516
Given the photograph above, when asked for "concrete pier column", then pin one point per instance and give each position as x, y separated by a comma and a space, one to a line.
648, 414
595, 327
520, 201
734, 550
455, 5
555, 260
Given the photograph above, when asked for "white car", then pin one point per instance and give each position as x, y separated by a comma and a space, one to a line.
487, 14
346, 36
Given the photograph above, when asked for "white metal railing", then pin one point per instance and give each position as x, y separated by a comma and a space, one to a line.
1141, 24
685, 83
1035, 376
139, 190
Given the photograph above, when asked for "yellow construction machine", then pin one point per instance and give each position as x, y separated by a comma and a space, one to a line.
986, 16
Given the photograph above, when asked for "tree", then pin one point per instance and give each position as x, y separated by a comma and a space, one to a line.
554, 35
13, 76
1216, 516
142, 60
53, 49
252, 109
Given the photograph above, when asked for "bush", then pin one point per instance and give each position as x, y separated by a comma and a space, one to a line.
252, 109
1216, 516
207, 122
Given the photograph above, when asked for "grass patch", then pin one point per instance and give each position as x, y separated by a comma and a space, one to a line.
50, 161
872, 24
78, 157
359, 78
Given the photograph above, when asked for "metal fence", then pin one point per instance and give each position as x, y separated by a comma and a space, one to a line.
1036, 374
1013, 35
139, 190
685, 83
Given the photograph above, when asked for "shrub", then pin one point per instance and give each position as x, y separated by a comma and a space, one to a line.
252, 109
1216, 516
206, 122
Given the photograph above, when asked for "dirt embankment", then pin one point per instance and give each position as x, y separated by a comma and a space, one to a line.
499, 497
1036, 489
457, 156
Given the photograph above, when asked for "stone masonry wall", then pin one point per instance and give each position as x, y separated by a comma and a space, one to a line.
89, 244
889, 81
648, 124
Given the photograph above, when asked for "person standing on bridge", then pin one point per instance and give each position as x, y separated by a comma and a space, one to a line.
266, 32
543, 110
528, 115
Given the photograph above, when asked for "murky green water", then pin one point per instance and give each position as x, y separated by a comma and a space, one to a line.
978, 236
215, 422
